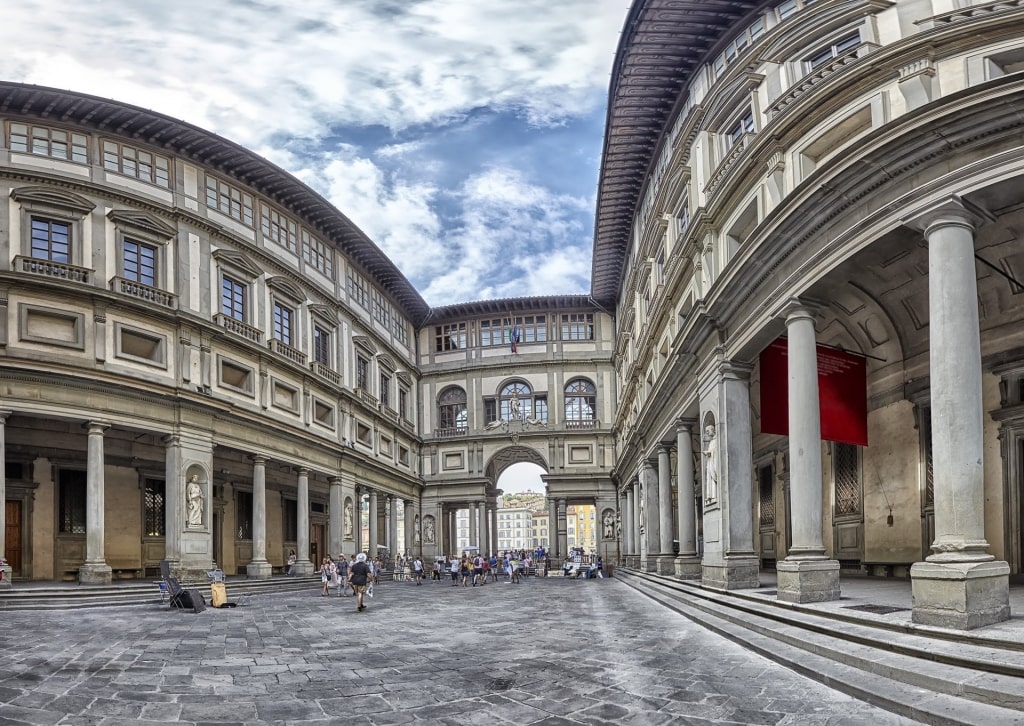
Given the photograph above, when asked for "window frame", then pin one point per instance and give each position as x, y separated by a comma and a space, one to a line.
114, 162
225, 196
33, 142
452, 409
241, 290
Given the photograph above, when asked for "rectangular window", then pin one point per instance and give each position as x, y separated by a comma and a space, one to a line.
290, 525
51, 240
540, 408
243, 514
71, 506
321, 346
381, 309
490, 410
232, 298
141, 165
362, 373
317, 254
492, 332
835, 50
156, 518
229, 200
139, 262
400, 329
385, 389
278, 228
449, 337
43, 141
578, 326
403, 404
744, 125
283, 323
785, 9
357, 289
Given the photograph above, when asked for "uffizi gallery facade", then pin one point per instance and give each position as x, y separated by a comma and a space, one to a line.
802, 350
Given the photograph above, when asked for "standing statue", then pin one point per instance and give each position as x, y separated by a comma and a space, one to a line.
428, 530
711, 464
348, 520
608, 523
194, 501
513, 405
416, 529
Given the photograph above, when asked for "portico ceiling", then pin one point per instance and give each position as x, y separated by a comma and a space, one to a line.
662, 44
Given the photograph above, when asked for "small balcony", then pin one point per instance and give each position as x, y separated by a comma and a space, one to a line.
58, 270
293, 354
581, 424
144, 292
366, 398
325, 372
238, 327
448, 433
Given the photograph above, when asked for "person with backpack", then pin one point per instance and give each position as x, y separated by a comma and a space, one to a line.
417, 568
342, 568
359, 576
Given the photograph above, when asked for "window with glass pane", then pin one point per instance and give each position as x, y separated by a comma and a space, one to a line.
155, 503
243, 514
362, 373
580, 400
385, 389
143, 165
540, 407
449, 337
516, 395
317, 254
51, 240
578, 326
403, 404
491, 333
321, 346
278, 228
283, 323
139, 262
71, 507
290, 525
744, 125
44, 141
490, 410
230, 201
357, 289
835, 50
452, 412
232, 298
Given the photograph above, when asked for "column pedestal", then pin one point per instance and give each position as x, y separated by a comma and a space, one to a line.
736, 573
665, 565
92, 573
810, 580
963, 595
688, 568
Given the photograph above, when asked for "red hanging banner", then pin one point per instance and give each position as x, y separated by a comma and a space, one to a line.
842, 393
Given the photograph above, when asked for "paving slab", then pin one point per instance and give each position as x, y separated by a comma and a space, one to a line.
547, 652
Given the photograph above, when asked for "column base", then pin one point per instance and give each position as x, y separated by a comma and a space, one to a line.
802, 581
649, 563
736, 573
259, 570
95, 573
688, 567
6, 573
302, 568
961, 595
666, 564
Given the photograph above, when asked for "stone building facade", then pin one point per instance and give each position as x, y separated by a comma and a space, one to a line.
841, 173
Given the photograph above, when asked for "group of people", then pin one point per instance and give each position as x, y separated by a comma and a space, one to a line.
357, 574
479, 570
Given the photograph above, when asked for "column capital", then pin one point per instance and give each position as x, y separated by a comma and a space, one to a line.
335, 481
259, 459
4, 414
795, 309
665, 448
304, 471
685, 425
96, 427
734, 371
949, 211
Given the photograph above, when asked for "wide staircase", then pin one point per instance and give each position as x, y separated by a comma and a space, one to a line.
62, 596
932, 675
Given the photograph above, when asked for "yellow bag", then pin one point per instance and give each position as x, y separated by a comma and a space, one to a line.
218, 594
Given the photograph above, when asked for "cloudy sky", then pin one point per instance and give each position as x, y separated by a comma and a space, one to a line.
463, 136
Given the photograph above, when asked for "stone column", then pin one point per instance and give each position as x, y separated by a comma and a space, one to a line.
6, 571
173, 492
638, 514
474, 532
563, 544
960, 585
335, 535
650, 545
627, 521
371, 545
357, 524
730, 562
302, 564
807, 574
553, 530
666, 559
95, 570
393, 544
485, 529
687, 564
411, 542
259, 568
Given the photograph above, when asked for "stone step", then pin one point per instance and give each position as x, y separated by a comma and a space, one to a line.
929, 679
53, 596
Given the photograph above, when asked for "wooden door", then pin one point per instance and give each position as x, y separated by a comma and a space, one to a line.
316, 544
12, 537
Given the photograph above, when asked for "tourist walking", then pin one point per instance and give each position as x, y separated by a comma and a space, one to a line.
454, 568
327, 571
417, 568
342, 568
359, 576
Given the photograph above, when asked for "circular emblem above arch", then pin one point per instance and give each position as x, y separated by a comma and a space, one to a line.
513, 455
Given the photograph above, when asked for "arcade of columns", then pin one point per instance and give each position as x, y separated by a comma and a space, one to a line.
960, 585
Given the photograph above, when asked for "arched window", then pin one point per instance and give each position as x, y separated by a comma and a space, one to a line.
452, 414
580, 403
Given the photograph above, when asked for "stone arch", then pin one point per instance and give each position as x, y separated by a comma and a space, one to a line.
510, 455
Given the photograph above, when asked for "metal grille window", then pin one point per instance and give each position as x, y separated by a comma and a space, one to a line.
72, 502
243, 514
846, 463
766, 496
155, 503
51, 240
140, 262
452, 412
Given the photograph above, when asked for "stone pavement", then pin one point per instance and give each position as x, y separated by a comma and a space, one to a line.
549, 651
